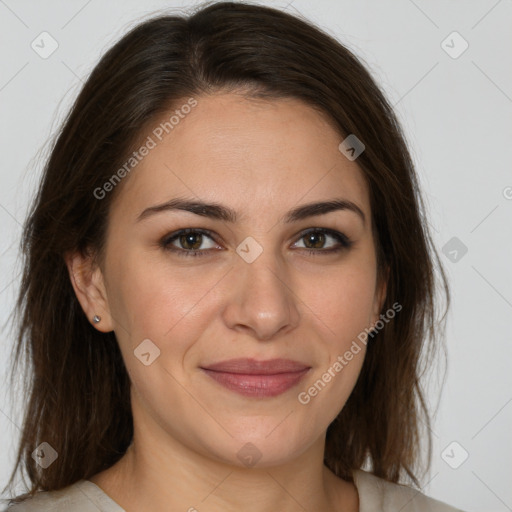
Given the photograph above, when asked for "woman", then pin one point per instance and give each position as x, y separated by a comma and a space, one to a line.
229, 281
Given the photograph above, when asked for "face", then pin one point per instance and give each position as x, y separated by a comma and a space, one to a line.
226, 328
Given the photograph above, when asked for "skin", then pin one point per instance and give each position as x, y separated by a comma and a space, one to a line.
261, 159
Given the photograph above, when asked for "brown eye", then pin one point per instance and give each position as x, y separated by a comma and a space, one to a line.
189, 242
314, 240
324, 241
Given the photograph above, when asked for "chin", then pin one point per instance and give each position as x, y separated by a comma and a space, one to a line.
261, 447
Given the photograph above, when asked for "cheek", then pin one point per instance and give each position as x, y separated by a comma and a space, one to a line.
170, 308
342, 301
166, 304
138, 293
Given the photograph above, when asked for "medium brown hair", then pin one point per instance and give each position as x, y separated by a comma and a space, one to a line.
77, 386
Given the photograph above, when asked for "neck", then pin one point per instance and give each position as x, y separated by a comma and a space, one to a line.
159, 473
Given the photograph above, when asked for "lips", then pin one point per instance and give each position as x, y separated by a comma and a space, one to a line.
250, 377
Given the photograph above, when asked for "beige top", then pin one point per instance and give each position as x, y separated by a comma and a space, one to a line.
375, 495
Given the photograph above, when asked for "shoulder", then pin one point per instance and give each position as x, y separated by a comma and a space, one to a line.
82, 496
379, 495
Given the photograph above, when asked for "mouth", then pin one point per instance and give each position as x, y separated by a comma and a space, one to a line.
249, 377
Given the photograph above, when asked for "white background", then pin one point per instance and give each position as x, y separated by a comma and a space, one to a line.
457, 115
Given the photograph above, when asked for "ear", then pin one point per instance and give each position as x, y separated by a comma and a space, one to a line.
89, 285
380, 295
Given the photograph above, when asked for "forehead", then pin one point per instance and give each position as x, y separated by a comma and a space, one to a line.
245, 153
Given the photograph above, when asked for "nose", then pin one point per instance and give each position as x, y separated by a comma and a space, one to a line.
262, 301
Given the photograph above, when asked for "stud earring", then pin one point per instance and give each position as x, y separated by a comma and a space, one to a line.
96, 319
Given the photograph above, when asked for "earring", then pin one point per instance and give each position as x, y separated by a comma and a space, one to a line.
96, 319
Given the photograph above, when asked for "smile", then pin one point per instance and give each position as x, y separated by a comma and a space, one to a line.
259, 379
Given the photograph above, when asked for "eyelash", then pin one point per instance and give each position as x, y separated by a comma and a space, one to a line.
165, 242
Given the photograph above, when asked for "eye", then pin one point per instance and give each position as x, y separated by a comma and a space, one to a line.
188, 242
200, 242
319, 240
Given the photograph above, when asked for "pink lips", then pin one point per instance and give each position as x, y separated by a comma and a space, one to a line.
249, 377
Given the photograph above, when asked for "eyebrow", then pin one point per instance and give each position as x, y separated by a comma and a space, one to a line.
220, 212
